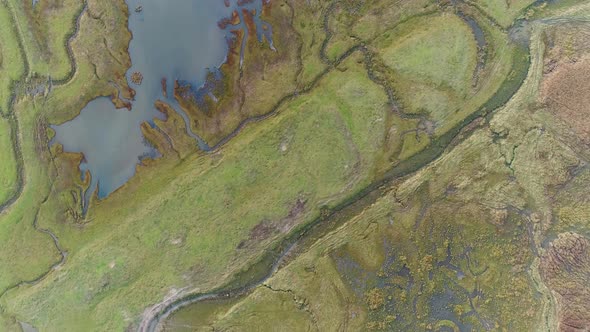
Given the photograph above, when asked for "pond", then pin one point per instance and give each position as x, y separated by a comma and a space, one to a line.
172, 40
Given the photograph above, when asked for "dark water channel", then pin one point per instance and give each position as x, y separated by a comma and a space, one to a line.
172, 39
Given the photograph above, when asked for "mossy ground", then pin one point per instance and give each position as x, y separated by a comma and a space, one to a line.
11, 65
504, 12
433, 252
438, 49
8, 166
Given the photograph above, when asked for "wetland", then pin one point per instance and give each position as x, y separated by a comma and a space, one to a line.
176, 42
405, 162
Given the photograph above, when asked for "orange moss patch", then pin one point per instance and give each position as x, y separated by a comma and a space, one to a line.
266, 7
375, 299
249, 21
137, 78
233, 20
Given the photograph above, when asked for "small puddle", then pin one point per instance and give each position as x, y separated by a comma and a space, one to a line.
540, 2
172, 40
441, 309
480, 40
26, 327
478, 33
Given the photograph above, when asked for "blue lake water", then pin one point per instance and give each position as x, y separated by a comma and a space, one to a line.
172, 39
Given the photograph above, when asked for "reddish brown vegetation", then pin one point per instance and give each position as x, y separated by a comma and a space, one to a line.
249, 21
267, 228
266, 7
233, 20
565, 268
566, 90
233, 54
120, 103
246, 89
164, 84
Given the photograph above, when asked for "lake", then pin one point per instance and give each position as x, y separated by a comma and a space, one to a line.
172, 39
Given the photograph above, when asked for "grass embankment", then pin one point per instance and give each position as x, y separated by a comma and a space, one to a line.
439, 49
11, 69
433, 59
376, 17
26, 253
308, 20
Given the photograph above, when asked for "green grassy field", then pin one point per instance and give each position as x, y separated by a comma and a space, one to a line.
11, 65
8, 172
504, 12
435, 73
45, 30
429, 251
433, 61
437, 49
